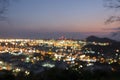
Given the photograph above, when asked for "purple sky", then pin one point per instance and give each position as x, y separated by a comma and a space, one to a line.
84, 16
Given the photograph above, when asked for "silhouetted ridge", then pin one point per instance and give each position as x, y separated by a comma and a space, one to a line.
97, 39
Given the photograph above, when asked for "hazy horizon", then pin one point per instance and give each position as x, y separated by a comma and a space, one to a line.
28, 18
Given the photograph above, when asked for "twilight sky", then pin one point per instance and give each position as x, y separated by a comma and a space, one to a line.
84, 16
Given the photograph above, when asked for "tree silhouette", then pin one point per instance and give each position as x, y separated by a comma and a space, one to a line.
112, 4
115, 5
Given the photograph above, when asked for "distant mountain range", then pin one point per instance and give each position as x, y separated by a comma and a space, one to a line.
97, 39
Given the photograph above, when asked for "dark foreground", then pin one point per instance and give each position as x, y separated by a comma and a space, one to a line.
60, 74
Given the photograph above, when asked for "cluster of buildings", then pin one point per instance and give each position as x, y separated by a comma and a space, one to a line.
38, 55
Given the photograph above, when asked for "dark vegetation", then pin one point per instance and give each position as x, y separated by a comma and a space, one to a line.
60, 74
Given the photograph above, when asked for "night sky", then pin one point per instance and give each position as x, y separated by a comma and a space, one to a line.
29, 18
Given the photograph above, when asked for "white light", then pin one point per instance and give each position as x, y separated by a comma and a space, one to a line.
82, 56
80, 66
1, 62
27, 72
90, 64
48, 65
